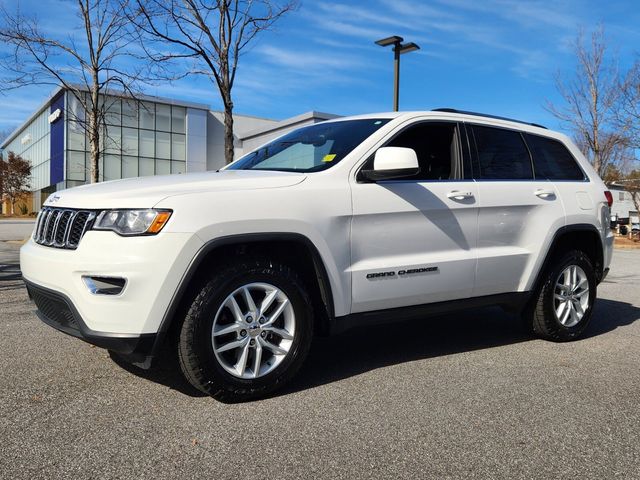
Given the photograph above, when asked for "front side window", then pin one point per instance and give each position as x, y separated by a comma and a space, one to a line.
502, 154
310, 149
552, 159
437, 148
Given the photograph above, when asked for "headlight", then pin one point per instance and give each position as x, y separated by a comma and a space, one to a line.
132, 222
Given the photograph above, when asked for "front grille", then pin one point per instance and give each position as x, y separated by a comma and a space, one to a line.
61, 227
54, 308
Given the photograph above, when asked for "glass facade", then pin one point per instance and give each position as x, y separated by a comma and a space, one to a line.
139, 139
32, 144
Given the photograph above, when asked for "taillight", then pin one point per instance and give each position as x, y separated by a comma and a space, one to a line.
609, 196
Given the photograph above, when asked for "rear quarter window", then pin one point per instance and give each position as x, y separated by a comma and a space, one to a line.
552, 160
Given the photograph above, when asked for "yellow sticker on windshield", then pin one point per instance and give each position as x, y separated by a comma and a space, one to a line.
329, 157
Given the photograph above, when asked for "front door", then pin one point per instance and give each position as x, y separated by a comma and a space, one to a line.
413, 240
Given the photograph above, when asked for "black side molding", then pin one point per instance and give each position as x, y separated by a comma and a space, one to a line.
514, 301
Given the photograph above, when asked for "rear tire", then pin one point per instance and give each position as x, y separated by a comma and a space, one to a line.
562, 306
234, 350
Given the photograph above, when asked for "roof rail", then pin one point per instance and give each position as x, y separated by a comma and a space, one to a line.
453, 110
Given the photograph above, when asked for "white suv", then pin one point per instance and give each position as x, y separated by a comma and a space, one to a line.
343, 223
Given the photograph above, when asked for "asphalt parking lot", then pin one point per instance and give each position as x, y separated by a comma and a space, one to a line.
464, 396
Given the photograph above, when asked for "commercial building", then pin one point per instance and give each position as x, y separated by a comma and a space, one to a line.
142, 137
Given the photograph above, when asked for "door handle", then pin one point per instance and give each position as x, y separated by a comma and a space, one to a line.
542, 193
457, 195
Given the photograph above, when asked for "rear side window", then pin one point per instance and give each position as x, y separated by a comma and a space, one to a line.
552, 160
502, 154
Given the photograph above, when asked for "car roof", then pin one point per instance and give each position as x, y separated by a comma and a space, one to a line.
457, 115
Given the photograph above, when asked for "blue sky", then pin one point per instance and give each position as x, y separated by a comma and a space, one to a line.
494, 56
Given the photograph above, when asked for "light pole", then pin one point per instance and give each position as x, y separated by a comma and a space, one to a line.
398, 49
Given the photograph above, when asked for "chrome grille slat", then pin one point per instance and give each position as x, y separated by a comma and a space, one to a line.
56, 223
62, 227
68, 229
37, 227
42, 215
43, 237
43, 227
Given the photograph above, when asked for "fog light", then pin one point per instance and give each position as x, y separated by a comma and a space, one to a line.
104, 285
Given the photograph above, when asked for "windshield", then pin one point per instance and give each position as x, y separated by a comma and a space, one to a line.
310, 149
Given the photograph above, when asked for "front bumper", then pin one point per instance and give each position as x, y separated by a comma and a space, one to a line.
59, 312
152, 266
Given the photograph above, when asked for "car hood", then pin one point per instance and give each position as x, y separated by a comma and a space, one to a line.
145, 192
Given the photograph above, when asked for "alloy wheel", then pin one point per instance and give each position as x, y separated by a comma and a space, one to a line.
253, 330
571, 296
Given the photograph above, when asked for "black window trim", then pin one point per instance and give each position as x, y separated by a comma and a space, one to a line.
459, 125
585, 177
476, 156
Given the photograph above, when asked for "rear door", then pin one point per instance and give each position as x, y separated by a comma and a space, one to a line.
413, 240
518, 212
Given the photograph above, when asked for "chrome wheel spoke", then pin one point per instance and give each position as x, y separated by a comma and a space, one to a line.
249, 299
274, 316
274, 348
566, 314
560, 311
268, 301
235, 309
574, 315
241, 366
280, 332
257, 360
582, 293
232, 345
581, 284
226, 329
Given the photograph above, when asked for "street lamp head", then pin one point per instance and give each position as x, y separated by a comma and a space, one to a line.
385, 42
409, 47
398, 49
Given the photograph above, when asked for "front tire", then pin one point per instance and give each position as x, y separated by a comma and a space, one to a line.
564, 302
248, 330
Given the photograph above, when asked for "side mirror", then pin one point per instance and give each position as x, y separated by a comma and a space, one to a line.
393, 162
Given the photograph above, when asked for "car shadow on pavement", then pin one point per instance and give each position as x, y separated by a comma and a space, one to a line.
164, 371
363, 349
609, 315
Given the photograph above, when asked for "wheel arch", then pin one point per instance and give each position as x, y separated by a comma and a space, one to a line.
306, 257
584, 237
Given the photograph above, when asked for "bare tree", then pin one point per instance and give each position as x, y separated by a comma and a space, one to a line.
212, 32
629, 114
89, 62
591, 101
